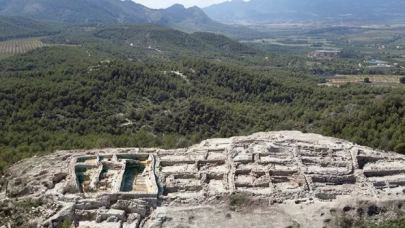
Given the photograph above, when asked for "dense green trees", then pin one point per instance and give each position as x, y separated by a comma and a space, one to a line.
95, 94
60, 98
18, 27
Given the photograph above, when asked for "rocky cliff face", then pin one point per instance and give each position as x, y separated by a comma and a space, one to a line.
274, 179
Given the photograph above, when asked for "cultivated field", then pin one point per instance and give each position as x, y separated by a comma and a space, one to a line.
399, 59
374, 79
19, 46
309, 41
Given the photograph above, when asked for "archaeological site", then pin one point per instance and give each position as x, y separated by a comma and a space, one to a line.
273, 179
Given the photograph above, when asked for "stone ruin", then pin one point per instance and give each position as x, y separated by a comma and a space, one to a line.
307, 177
115, 187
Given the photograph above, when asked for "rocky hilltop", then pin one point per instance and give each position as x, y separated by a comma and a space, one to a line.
273, 179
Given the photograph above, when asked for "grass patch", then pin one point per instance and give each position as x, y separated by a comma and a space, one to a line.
239, 202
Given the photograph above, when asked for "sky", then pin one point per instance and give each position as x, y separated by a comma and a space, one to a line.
158, 4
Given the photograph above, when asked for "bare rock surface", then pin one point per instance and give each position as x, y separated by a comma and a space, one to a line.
272, 179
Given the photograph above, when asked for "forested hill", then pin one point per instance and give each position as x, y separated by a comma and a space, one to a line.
194, 19
148, 42
62, 97
74, 11
333, 11
18, 27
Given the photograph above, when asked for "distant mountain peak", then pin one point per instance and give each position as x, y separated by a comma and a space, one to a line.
177, 5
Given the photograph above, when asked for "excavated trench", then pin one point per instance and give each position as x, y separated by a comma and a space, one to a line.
132, 180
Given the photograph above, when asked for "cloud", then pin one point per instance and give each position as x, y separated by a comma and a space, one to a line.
158, 4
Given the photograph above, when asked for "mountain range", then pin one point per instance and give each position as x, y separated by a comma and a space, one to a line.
77, 11
117, 11
334, 11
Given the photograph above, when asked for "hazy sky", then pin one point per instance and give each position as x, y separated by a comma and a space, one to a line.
157, 4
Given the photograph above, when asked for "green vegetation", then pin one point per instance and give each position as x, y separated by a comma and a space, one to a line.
18, 27
237, 200
351, 223
355, 44
60, 98
66, 223
88, 96
378, 80
398, 223
145, 85
153, 43
400, 148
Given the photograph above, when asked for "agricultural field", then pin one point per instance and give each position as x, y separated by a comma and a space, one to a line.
399, 59
19, 46
365, 42
292, 41
382, 80
89, 29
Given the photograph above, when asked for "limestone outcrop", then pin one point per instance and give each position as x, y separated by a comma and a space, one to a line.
287, 179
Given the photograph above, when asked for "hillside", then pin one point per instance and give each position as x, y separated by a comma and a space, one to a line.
87, 96
361, 11
151, 43
191, 17
194, 19
73, 11
17, 27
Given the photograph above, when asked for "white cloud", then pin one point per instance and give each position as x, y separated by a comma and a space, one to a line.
158, 4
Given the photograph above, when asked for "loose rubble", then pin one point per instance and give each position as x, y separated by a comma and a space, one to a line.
273, 179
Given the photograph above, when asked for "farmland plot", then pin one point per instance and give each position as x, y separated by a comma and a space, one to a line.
19, 46
379, 79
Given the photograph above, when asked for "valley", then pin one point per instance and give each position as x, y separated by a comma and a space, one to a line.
300, 12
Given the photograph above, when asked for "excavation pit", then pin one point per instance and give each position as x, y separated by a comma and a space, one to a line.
134, 179
105, 158
108, 176
87, 160
136, 157
84, 176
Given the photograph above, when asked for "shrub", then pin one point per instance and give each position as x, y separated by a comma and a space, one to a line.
400, 148
66, 223
237, 200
